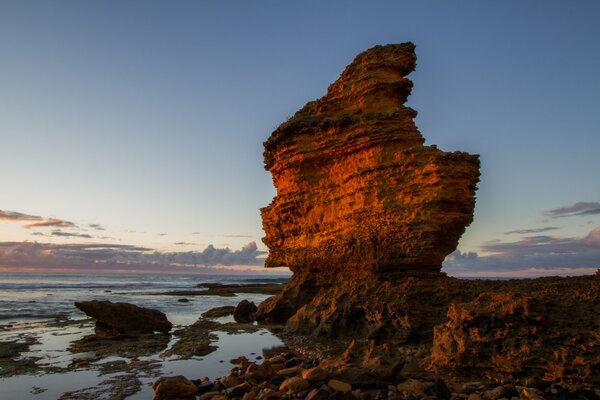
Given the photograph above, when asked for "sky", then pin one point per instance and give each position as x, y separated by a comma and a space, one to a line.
131, 131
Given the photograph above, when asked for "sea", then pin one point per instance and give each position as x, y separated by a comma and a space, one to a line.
31, 304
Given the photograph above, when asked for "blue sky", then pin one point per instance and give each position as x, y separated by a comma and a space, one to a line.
147, 118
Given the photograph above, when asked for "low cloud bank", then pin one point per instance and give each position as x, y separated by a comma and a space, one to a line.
118, 257
532, 255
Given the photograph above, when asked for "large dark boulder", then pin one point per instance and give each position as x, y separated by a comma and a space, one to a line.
124, 318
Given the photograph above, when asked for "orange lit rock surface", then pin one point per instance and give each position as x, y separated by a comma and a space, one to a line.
365, 214
356, 187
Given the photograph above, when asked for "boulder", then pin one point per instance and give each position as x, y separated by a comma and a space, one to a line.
124, 318
244, 311
173, 387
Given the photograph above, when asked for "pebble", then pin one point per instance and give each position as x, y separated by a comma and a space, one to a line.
170, 387
294, 385
289, 371
209, 395
278, 359
339, 386
532, 393
238, 391
292, 362
315, 374
204, 387
277, 380
317, 394
412, 386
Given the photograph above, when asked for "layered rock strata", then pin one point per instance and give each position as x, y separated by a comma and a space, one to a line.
360, 199
356, 187
364, 216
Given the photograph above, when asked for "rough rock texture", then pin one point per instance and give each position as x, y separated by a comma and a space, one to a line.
356, 187
364, 216
244, 311
548, 327
124, 318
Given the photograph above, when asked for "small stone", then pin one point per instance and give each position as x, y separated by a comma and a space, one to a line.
292, 362
278, 359
269, 394
204, 387
315, 374
474, 396
496, 393
317, 394
172, 387
277, 367
209, 395
339, 386
469, 388
303, 393
532, 393
336, 396
277, 380
289, 371
239, 360
294, 385
249, 396
238, 391
364, 396
255, 373
412, 386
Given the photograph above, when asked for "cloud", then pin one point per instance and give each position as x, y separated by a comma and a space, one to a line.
70, 234
534, 252
119, 257
17, 216
581, 208
52, 222
184, 243
39, 222
162, 234
97, 227
532, 230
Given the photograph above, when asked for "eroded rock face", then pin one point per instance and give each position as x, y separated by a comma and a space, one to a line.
356, 187
547, 327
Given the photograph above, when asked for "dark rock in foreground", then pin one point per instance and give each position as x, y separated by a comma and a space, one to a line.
217, 312
244, 311
124, 318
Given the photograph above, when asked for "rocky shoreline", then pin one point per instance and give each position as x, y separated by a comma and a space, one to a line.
288, 376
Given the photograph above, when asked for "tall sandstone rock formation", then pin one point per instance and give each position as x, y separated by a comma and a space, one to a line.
364, 216
356, 187
360, 198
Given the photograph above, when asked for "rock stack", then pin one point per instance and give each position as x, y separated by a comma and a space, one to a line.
365, 214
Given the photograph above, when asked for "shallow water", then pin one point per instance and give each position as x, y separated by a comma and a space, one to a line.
32, 303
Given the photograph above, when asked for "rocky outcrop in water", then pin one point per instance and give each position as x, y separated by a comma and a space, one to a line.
123, 318
364, 216
356, 187
360, 199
